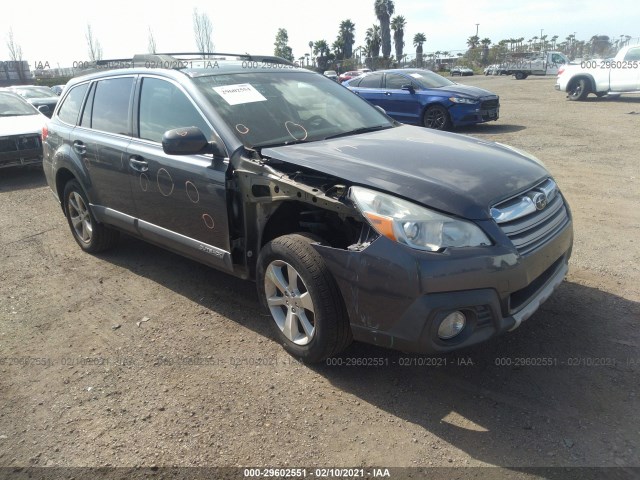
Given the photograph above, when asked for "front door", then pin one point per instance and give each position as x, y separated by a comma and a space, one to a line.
180, 200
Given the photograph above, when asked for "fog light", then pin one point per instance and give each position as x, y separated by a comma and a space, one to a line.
452, 325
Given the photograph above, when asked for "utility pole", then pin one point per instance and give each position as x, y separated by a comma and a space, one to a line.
477, 25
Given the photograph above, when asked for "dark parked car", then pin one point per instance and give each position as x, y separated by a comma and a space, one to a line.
461, 72
422, 97
38, 97
20, 130
351, 224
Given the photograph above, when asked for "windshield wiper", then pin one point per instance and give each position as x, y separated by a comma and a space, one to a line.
359, 130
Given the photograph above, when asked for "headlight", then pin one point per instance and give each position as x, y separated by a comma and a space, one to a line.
413, 225
469, 101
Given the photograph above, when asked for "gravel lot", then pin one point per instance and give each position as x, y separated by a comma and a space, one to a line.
139, 357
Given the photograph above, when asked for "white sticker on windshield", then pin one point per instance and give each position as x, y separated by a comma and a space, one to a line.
239, 94
415, 75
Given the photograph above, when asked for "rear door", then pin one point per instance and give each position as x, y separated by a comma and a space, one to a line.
180, 199
370, 88
101, 140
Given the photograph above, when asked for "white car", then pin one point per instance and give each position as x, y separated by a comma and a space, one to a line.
20, 131
617, 75
332, 74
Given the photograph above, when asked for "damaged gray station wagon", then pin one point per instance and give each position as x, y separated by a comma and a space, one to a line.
352, 225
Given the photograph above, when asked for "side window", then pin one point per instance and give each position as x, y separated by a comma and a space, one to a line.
69, 110
111, 105
163, 106
633, 54
395, 82
555, 58
355, 82
371, 81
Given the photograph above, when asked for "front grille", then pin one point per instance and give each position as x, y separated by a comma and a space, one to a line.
533, 228
18, 143
495, 103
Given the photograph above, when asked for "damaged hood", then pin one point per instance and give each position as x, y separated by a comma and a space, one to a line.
451, 173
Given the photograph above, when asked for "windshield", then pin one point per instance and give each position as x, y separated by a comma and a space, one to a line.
278, 108
11, 106
429, 79
36, 92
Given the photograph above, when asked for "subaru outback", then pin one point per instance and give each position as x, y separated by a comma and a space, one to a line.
352, 225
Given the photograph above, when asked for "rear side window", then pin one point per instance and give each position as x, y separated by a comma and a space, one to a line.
163, 106
110, 111
371, 81
69, 110
354, 82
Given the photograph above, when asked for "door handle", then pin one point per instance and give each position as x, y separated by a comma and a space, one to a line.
79, 147
138, 165
387, 94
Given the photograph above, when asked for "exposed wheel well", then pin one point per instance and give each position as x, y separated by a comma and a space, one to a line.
588, 78
293, 216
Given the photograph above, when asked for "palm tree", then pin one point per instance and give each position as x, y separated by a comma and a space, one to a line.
347, 29
383, 10
418, 40
372, 40
320, 48
553, 41
472, 42
397, 25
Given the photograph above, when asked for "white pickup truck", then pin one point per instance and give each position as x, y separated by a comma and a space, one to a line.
540, 63
601, 77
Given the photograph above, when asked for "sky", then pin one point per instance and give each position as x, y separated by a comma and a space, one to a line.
54, 33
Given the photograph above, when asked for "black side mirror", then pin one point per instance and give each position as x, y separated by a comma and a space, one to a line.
409, 88
44, 109
189, 141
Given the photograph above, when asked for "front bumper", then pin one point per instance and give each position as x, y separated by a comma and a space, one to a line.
471, 114
396, 297
18, 150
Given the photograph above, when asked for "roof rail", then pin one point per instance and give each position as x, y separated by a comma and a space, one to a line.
248, 56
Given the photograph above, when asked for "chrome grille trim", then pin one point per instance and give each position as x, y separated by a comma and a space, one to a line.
527, 226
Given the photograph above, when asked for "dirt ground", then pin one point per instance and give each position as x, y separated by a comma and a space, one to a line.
139, 357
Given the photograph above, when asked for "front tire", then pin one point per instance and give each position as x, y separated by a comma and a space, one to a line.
437, 117
306, 307
578, 89
520, 75
92, 236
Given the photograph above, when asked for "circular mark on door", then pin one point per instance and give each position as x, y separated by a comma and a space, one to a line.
242, 129
296, 130
208, 221
144, 182
165, 182
192, 191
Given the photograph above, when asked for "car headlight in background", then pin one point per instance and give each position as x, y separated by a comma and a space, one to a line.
415, 226
469, 101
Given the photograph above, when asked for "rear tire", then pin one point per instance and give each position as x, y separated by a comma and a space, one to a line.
520, 75
306, 307
578, 89
437, 117
92, 236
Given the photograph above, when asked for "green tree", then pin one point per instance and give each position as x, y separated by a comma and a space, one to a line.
383, 10
398, 23
372, 41
419, 39
472, 42
282, 48
347, 34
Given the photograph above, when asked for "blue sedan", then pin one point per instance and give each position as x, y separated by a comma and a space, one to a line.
421, 97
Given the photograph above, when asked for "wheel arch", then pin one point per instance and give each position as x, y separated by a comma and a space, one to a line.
580, 76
